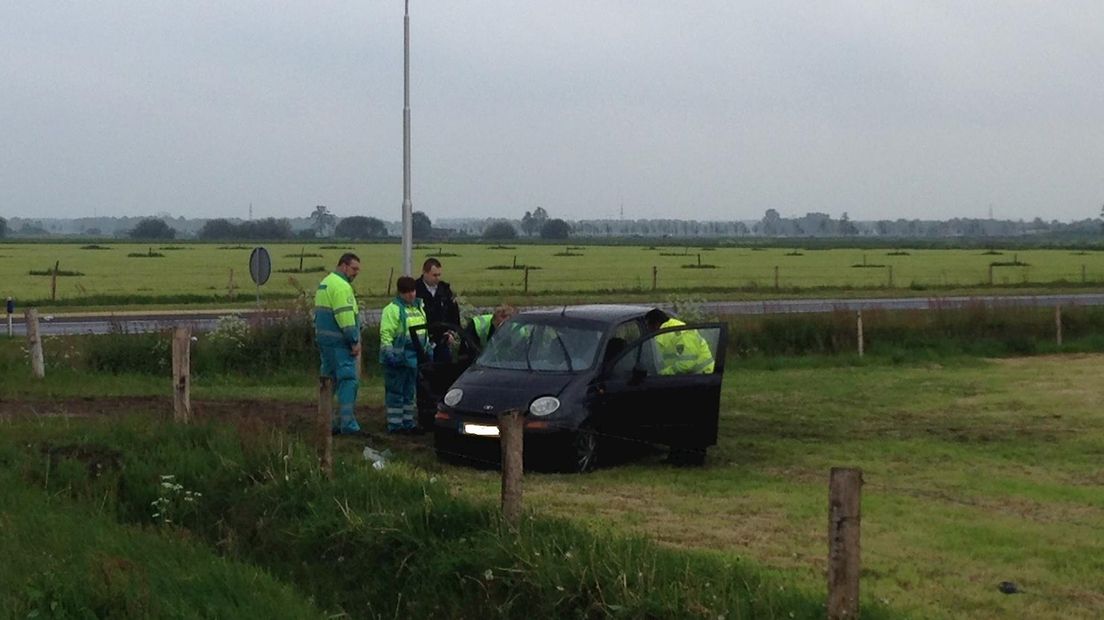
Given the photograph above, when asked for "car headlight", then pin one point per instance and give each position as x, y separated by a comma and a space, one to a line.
544, 405
453, 396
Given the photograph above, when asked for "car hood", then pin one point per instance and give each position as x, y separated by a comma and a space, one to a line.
507, 389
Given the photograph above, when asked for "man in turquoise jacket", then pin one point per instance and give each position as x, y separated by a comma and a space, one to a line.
337, 331
399, 356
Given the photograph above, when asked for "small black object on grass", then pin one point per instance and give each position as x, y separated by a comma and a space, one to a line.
1009, 587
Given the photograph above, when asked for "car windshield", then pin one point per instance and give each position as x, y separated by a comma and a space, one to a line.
534, 346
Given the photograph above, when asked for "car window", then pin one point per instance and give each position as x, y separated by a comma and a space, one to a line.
539, 347
629, 331
681, 352
623, 334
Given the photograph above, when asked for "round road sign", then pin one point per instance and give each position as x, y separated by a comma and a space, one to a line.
260, 265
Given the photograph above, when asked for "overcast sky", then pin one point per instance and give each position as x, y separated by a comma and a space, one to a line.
695, 109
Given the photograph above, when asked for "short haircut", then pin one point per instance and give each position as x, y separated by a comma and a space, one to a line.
505, 311
656, 317
430, 263
406, 284
347, 258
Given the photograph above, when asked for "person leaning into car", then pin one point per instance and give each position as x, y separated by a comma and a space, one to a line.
681, 353
482, 327
399, 356
440, 307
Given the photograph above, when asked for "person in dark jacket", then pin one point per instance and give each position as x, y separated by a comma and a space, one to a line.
440, 306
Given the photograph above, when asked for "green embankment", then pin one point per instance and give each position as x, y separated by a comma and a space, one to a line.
68, 560
369, 543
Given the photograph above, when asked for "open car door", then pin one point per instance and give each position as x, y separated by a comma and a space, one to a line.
665, 387
435, 377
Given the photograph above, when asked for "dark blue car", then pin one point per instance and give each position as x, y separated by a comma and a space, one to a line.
589, 379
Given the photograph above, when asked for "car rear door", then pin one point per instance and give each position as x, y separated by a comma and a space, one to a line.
657, 402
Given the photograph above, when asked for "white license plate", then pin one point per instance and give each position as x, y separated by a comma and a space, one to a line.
483, 430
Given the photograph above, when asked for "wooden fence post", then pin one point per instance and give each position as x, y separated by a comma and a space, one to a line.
34, 343
891, 276
390, 277
53, 281
990, 274
859, 330
182, 374
325, 424
525, 285
844, 520
231, 288
1083, 278
1058, 324
510, 431
776, 277
655, 276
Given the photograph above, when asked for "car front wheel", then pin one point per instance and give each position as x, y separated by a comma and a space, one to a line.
583, 450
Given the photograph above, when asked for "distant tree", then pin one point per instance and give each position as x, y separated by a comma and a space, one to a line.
218, 229
92, 232
152, 228
771, 223
32, 229
324, 221
267, 228
555, 229
423, 227
3, 228
306, 233
846, 226
532, 223
500, 230
360, 227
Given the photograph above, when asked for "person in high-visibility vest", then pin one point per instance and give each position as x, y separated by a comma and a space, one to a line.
680, 353
482, 327
399, 356
337, 332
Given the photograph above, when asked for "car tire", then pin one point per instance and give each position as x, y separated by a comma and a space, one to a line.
687, 456
584, 450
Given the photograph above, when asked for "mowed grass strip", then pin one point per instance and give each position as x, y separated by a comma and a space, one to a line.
205, 273
976, 472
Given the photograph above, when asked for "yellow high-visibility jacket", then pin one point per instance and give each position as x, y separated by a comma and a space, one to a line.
336, 319
684, 352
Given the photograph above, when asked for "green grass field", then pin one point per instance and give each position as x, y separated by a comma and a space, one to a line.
977, 472
200, 273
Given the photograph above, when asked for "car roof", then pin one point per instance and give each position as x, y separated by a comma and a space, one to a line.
609, 313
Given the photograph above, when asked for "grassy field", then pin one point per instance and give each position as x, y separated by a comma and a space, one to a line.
118, 274
977, 472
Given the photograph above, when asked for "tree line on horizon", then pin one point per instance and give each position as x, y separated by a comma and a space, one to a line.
321, 223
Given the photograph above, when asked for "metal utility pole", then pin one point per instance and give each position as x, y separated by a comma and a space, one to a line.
407, 205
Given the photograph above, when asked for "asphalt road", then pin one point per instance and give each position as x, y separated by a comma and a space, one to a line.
59, 325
